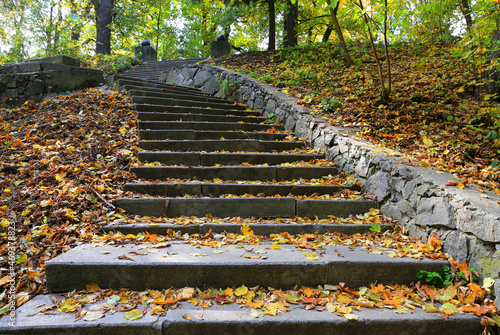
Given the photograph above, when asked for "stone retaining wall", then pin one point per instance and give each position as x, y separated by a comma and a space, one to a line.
468, 223
34, 78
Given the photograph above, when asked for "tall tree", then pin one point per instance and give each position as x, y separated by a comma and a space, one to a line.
271, 45
334, 8
465, 8
104, 17
291, 17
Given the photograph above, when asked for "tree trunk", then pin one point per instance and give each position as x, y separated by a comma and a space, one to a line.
104, 17
291, 23
493, 74
158, 22
338, 30
465, 7
327, 34
272, 25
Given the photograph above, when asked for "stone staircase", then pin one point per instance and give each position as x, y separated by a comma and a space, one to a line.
151, 70
216, 147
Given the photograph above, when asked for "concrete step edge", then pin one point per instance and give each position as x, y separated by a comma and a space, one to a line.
244, 207
232, 319
180, 264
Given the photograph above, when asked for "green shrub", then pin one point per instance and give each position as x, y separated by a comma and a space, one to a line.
110, 64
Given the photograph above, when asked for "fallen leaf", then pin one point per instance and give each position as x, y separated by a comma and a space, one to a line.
93, 315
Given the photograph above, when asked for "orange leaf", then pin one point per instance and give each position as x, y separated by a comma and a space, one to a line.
471, 309
255, 304
307, 291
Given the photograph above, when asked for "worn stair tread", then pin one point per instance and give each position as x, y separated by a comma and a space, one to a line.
197, 110
144, 92
194, 158
232, 319
129, 87
233, 172
244, 207
207, 125
217, 189
122, 80
189, 134
182, 102
230, 145
153, 84
264, 229
161, 116
182, 265
29, 320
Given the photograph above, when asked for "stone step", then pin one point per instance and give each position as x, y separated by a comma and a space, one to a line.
189, 134
221, 145
232, 319
197, 110
207, 125
181, 265
180, 102
182, 96
218, 189
263, 229
146, 116
223, 158
174, 90
122, 80
262, 173
244, 207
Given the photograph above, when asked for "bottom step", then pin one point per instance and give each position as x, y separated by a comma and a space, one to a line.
231, 319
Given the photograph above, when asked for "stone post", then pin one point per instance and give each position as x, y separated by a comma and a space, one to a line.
220, 47
145, 52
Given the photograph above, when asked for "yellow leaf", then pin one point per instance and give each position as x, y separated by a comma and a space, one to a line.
427, 141
242, 290
344, 310
488, 283
342, 298
5, 223
22, 258
461, 90
246, 230
133, 315
312, 256
271, 309
93, 287
460, 186
276, 246
429, 308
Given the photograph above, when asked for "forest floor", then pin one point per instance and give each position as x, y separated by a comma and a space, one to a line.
437, 117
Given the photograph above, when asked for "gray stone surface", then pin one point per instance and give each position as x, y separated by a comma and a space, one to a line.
435, 211
182, 265
378, 184
29, 320
226, 207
